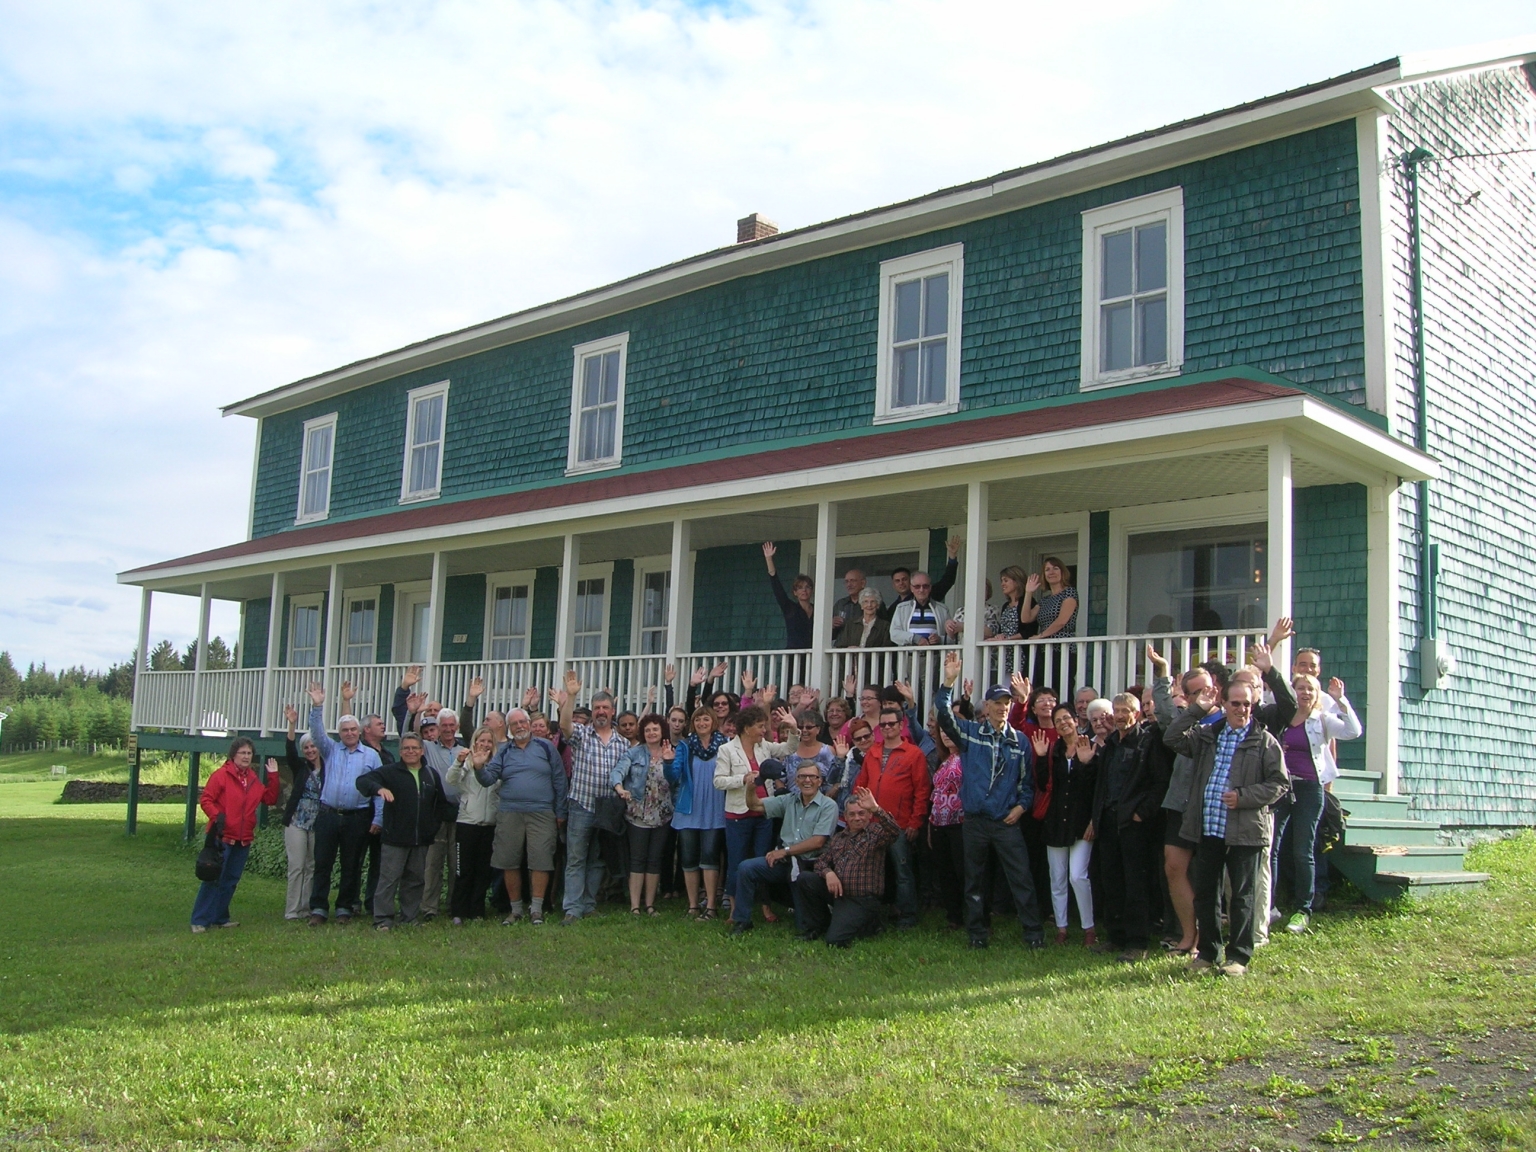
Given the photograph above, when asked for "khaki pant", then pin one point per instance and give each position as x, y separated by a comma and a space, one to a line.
299, 843
439, 852
400, 872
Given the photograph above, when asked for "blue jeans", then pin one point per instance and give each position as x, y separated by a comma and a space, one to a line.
583, 861
900, 855
744, 838
1301, 814
212, 904
754, 875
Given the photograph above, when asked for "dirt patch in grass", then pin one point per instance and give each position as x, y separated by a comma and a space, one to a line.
103, 792
1385, 1091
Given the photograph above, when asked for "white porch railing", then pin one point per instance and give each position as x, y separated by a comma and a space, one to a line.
231, 698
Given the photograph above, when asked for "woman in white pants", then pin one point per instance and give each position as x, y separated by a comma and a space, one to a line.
299, 817
1068, 822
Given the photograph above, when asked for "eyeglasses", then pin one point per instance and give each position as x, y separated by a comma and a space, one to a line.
921, 587
859, 736
890, 723
1240, 705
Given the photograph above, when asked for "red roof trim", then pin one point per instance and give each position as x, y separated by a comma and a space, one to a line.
1034, 422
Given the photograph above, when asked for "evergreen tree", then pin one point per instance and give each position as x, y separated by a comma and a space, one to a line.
40, 682
118, 681
163, 658
10, 679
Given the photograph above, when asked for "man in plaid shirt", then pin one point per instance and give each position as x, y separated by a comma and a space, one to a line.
596, 748
841, 898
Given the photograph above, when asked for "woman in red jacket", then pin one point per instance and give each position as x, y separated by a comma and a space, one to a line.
236, 793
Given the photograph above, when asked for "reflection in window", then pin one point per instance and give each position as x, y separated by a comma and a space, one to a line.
1198, 580
590, 601
509, 622
653, 613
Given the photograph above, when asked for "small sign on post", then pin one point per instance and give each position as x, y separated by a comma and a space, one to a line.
58, 770
133, 746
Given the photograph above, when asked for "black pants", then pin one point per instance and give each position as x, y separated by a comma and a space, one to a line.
374, 846
471, 870
345, 833
1241, 864
1120, 851
840, 920
1034, 846
985, 837
949, 864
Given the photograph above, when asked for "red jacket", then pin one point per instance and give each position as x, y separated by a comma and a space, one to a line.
238, 793
900, 783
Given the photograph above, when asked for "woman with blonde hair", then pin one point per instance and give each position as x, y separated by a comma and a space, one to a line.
1309, 761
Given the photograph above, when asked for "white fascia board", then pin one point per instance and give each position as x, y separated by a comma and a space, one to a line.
1469, 58
1147, 438
1042, 183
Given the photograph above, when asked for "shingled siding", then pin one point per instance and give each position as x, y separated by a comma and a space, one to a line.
1329, 593
733, 607
1272, 280
1467, 754
253, 639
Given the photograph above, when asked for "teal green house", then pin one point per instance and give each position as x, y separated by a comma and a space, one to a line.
1271, 361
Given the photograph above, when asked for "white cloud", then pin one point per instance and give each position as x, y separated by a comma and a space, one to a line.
198, 202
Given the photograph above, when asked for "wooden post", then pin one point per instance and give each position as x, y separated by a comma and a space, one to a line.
1382, 676
1280, 524
565, 619
435, 628
826, 591
975, 587
146, 598
680, 598
133, 783
274, 642
333, 642
195, 721
194, 779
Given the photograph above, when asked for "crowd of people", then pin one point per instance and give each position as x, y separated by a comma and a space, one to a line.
1172, 811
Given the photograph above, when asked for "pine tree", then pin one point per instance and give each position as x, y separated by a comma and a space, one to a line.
164, 658
10, 679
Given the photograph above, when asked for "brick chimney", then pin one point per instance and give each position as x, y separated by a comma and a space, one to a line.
754, 227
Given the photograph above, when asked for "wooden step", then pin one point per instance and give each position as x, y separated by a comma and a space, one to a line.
1430, 883
1403, 858
1357, 783
1379, 807
1376, 830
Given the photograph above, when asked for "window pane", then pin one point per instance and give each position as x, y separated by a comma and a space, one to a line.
320, 447
1151, 257
905, 386
509, 648
424, 468
909, 309
936, 305
360, 618
586, 437
934, 356
610, 378
653, 606
509, 611
607, 418
1152, 330
653, 642
421, 631
316, 491
1115, 323
591, 381
1197, 579
588, 647
304, 643
429, 420
1115, 268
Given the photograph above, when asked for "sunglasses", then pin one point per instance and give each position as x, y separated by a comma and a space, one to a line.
858, 736
890, 723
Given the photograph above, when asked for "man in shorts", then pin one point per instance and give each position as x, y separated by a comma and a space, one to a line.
530, 778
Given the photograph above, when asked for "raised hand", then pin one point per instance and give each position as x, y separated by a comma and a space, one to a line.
1041, 743
1032, 582
698, 677
812, 695
770, 550
906, 691
1208, 697
1263, 658
767, 695
784, 718
968, 688
290, 714
839, 747
669, 674
412, 676
650, 696
719, 670
347, 691
952, 547
951, 667
1283, 630
867, 798
1336, 688
850, 685
572, 684
559, 696
477, 759
415, 702
1159, 665
271, 766
1083, 749
476, 688
1019, 685
530, 699
748, 682
667, 751
316, 693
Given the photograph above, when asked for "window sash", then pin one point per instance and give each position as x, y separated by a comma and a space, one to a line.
655, 605
587, 634
920, 341
510, 611
1133, 278
424, 444
362, 625
597, 421
304, 636
315, 473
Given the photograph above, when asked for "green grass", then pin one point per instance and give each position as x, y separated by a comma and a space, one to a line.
155, 767
119, 1028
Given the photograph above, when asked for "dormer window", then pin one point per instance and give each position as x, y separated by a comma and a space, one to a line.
315, 469
425, 423
597, 405
919, 359
1133, 289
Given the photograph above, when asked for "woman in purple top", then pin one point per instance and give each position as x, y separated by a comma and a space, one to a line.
1309, 761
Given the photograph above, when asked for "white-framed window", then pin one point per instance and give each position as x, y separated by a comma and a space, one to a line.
652, 610
919, 357
508, 615
1133, 289
318, 452
590, 632
413, 623
304, 630
597, 404
426, 422
360, 622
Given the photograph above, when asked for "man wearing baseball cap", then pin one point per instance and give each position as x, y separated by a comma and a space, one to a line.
996, 765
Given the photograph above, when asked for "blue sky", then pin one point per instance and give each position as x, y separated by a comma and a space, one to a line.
201, 202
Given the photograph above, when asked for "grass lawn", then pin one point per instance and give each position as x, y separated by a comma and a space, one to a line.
1397, 1027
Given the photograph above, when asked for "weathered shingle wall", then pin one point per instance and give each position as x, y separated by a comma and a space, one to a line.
1468, 755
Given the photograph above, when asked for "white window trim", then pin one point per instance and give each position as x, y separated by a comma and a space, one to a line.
330, 472
645, 566
492, 581
603, 572
314, 600
347, 597
1207, 512
400, 641
1165, 205
951, 259
865, 544
411, 397
619, 344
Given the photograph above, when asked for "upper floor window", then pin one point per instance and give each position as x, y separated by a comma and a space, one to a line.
315, 469
1133, 289
919, 358
597, 404
425, 421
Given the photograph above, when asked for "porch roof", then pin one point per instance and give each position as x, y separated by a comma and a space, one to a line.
1215, 415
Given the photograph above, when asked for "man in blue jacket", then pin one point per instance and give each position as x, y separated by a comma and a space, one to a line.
996, 765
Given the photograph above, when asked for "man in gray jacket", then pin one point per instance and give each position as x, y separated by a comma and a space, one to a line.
530, 777
1239, 773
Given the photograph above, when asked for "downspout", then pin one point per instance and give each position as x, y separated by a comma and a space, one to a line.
1434, 664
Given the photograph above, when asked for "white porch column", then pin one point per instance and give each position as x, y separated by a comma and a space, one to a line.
1383, 674
976, 497
1280, 524
274, 642
826, 585
435, 625
333, 642
679, 597
565, 620
141, 664
205, 602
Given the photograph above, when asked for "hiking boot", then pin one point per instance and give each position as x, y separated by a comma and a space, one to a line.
1199, 966
1298, 923
316, 920
199, 928
1233, 968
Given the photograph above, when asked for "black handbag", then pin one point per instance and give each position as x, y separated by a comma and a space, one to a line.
210, 861
609, 814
